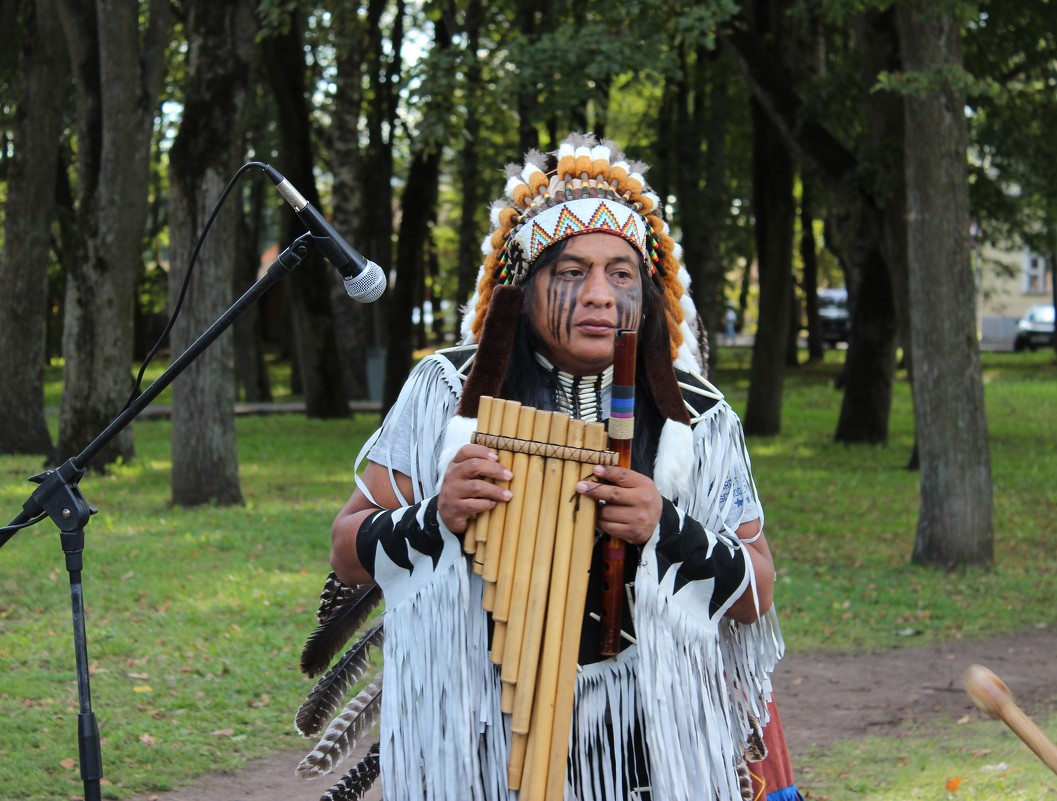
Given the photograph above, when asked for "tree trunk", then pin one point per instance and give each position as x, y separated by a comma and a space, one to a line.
308, 288
809, 256
207, 151
470, 203
418, 200
376, 231
873, 223
417, 210
775, 209
29, 210
1053, 289
528, 93
251, 367
351, 320
118, 72
869, 366
700, 181
955, 523
864, 411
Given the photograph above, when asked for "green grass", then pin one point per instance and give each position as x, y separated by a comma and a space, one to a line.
841, 519
970, 760
196, 617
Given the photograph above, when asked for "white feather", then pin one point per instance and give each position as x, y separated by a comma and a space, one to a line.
600, 152
528, 171
511, 184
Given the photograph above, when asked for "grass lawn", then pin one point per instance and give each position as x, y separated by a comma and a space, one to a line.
196, 617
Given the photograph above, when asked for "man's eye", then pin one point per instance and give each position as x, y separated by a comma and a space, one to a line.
571, 273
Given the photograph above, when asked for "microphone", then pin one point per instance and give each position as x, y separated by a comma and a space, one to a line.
364, 280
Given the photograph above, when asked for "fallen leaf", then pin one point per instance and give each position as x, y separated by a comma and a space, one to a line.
147, 740
69, 764
222, 733
1001, 766
954, 784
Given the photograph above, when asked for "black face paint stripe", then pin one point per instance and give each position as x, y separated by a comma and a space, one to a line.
559, 296
629, 308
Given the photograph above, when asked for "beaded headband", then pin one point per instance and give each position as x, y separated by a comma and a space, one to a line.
592, 188
563, 220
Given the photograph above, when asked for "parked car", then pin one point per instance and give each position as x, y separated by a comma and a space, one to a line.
1035, 329
833, 315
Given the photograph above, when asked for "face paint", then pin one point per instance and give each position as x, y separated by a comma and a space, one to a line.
592, 288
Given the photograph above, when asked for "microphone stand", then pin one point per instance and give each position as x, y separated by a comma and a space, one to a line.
59, 497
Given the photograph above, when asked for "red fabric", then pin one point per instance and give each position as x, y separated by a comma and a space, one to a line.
774, 772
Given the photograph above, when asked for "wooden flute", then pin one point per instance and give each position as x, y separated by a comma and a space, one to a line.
621, 434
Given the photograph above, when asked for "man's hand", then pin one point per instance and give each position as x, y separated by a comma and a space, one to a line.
629, 505
469, 487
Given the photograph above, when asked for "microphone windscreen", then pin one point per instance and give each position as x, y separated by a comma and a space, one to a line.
368, 285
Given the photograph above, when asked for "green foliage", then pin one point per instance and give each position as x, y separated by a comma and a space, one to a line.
948, 77
1012, 152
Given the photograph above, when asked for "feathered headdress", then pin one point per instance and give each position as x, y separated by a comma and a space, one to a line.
583, 187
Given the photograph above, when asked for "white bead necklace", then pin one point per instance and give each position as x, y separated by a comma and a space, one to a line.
583, 397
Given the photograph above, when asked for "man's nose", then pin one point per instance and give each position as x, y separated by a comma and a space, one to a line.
596, 288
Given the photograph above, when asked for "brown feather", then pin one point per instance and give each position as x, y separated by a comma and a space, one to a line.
346, 730
357, 780
328, 693
334, 631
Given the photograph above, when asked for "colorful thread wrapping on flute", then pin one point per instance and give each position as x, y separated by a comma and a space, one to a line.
622, 412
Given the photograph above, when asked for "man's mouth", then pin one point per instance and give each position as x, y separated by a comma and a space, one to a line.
595, 326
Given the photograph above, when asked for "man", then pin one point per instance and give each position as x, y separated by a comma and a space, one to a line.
577, 251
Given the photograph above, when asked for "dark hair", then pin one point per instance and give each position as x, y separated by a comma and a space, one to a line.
528, 381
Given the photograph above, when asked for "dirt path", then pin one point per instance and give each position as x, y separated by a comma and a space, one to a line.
822, 699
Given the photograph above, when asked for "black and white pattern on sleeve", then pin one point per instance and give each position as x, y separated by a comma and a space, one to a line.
401, 532
697, 554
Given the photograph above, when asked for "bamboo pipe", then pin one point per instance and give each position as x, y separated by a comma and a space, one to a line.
539, 587
484, 421
543, 727
533, 713
504, 582
509, 412
575, 599
525, 554
485, 523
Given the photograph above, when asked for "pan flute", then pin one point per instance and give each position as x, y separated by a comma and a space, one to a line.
534, 555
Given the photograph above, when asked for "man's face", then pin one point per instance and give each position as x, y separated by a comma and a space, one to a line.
580, 300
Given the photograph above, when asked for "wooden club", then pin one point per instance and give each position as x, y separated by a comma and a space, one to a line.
992, 696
